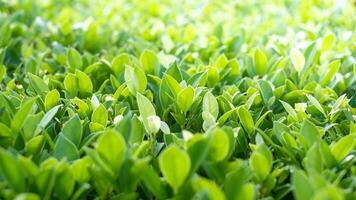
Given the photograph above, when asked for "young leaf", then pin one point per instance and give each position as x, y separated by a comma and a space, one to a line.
64, 148
343, 147
297, 59
135, 79
34, 145
260, 164
246, 120
310, 132
74, 59
302, 188
198, 147
218, 145
265, 90
100, 115
149, 62
72, 129
2, 72
313, 160
168, 91
85, 86
260, 61
146, 110
213, 76
11, 170
328, 42
185, 99
153, 182
38, 85
290, 110
111, 148
316, 103
210, 105
208, 188
329, 75
119, 62
71, 85
22, 114
47, 118
52, 99
64, 184
175, 166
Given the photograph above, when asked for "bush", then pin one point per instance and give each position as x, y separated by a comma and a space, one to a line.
177, 100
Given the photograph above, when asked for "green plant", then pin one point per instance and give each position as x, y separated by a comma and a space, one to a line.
168, 100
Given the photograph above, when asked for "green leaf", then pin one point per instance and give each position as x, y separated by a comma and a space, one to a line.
52, 99
153, 182
2, 72
22, 114
218, 145
329, 192
246, 120
85, 86
38, 85
31, 125
149, 62
71, 85
260, 61
302, 188
147, 112
310, 56
297, 59
185, 99
74, 59
261, 162
315, 103
34, 145
80, 169
198, 148
343, 147
328, 42
12, 171
263, 149
168, 91
248, 192
119, 62
135, 79
210, 105
100, 115
64, 148
333, 68
64, 183
47, 118
204, 185
265, 90
313, 160
309, 132
213, 76
166, 60
221, 61
290, 110
175, 166
81, 107
234, 65
72, 129
175, 72
27, 196
111, 149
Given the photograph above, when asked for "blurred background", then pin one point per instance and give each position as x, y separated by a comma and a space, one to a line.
186, 29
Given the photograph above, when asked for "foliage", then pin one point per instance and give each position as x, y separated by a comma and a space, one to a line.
177, 100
